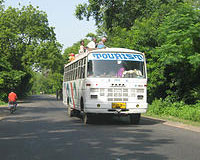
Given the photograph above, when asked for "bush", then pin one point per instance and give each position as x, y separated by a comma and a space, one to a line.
176, 109
156, 107
2, 103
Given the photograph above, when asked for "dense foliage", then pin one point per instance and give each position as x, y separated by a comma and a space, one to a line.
166, 31
43, 83
176, 109
28, 44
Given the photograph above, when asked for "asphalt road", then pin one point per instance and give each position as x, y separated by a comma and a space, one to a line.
41, 130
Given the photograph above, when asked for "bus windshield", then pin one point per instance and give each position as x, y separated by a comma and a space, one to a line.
116, 69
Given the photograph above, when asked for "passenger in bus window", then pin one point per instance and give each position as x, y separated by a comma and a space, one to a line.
120, 72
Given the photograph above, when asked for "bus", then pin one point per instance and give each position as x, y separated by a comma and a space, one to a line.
111, 81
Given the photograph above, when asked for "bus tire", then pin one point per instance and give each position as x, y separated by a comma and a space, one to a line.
85, 118
81, 104
135, 118
69, 111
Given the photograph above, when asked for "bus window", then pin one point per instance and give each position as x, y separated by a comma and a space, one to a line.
73, 75
116, 69
79, 72
79, 69
76, 73
84, 61
83, 72
81, 62
90, 70
68, 76
70, 73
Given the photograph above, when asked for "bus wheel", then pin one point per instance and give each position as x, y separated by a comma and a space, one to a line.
69, 111
85, 118
135, 118
81, 104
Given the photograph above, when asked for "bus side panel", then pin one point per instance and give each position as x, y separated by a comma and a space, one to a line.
67, 95
74, 92
64, 93
80, 90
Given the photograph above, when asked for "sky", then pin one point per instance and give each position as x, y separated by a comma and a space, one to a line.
60, 14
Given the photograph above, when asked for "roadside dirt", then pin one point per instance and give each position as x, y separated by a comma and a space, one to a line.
177, 124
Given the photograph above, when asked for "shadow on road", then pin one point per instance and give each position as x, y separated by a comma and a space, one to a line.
34, 98
100, 120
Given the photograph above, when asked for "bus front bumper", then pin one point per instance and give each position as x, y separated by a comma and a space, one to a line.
105, 108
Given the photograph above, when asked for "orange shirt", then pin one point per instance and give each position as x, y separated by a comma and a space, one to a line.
12, 97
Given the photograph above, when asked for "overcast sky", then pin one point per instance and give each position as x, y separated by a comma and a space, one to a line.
60, 13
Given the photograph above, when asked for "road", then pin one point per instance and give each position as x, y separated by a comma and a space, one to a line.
41, 130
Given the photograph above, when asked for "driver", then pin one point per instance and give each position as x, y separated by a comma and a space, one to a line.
12, 97
120, 72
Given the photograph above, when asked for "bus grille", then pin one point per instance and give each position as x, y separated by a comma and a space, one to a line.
117, 94
117, 99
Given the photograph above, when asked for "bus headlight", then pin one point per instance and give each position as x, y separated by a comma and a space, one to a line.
140, 90
140, 97
94, 89
93, 96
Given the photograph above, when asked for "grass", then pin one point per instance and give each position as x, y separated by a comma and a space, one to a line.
175, 111
2, 103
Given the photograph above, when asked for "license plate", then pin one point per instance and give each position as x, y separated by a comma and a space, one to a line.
119, 105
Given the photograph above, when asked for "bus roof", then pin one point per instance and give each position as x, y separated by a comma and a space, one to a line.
116, 50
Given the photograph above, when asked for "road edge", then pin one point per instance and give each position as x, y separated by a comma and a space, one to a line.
2, 107
175, 124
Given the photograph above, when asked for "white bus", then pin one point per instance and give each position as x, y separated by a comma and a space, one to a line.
108, 82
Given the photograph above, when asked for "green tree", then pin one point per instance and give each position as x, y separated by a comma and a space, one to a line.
179, 52
118, 13
167, 31
27, 42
